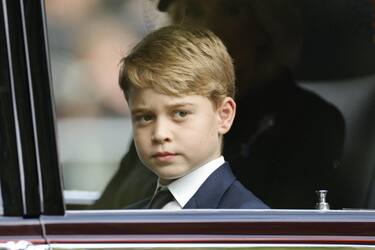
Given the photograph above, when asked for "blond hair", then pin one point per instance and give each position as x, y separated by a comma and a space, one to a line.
180, 60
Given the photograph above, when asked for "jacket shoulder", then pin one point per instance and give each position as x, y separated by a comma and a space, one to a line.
237, 196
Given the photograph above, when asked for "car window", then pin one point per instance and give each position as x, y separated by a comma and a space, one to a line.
328, 114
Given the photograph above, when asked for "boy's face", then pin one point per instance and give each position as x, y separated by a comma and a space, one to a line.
174, 135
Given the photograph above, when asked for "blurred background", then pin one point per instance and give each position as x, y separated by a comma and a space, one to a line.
87, 39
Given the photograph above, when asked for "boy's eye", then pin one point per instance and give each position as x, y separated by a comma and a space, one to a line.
147, 117
180, 114
142, 118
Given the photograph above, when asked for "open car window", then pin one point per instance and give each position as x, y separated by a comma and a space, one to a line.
87, 40
34, 214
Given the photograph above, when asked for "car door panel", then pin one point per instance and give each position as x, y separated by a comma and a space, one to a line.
212, 226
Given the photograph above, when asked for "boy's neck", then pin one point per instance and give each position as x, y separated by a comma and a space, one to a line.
166, 182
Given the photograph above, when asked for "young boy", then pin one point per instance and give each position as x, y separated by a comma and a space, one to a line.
179, 84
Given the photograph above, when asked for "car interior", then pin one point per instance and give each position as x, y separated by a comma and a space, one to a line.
346, 78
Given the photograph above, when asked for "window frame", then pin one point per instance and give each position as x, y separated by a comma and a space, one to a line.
34, 169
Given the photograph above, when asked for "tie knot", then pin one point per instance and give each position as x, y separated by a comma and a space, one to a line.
160, 199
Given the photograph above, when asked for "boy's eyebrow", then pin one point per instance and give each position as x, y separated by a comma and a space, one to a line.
138, 110
169, 106
181, 104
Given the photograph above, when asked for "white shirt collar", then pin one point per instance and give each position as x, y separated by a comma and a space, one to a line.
185, 187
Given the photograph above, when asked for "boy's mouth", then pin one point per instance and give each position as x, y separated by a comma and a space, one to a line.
164, 156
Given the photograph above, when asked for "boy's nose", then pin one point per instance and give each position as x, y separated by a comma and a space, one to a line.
161, 133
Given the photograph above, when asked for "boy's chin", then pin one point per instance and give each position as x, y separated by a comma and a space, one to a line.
166, 179
166, 182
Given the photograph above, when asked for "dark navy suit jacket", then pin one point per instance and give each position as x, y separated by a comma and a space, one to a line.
221, 190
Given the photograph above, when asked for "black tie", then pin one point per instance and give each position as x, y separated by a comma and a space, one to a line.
160, 199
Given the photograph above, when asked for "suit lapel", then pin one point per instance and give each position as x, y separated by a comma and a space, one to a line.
210, 193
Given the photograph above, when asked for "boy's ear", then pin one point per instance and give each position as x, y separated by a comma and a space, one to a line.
225, 114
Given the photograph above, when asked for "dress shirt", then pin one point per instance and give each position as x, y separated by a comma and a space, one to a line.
185, 187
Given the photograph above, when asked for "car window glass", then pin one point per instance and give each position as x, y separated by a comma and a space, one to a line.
297, 136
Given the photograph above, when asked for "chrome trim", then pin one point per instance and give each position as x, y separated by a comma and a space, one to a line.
43, 229
22, 245
203, 246
232, 215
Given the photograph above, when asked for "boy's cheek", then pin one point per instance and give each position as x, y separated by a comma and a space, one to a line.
140, 152
138, 145
136, 133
